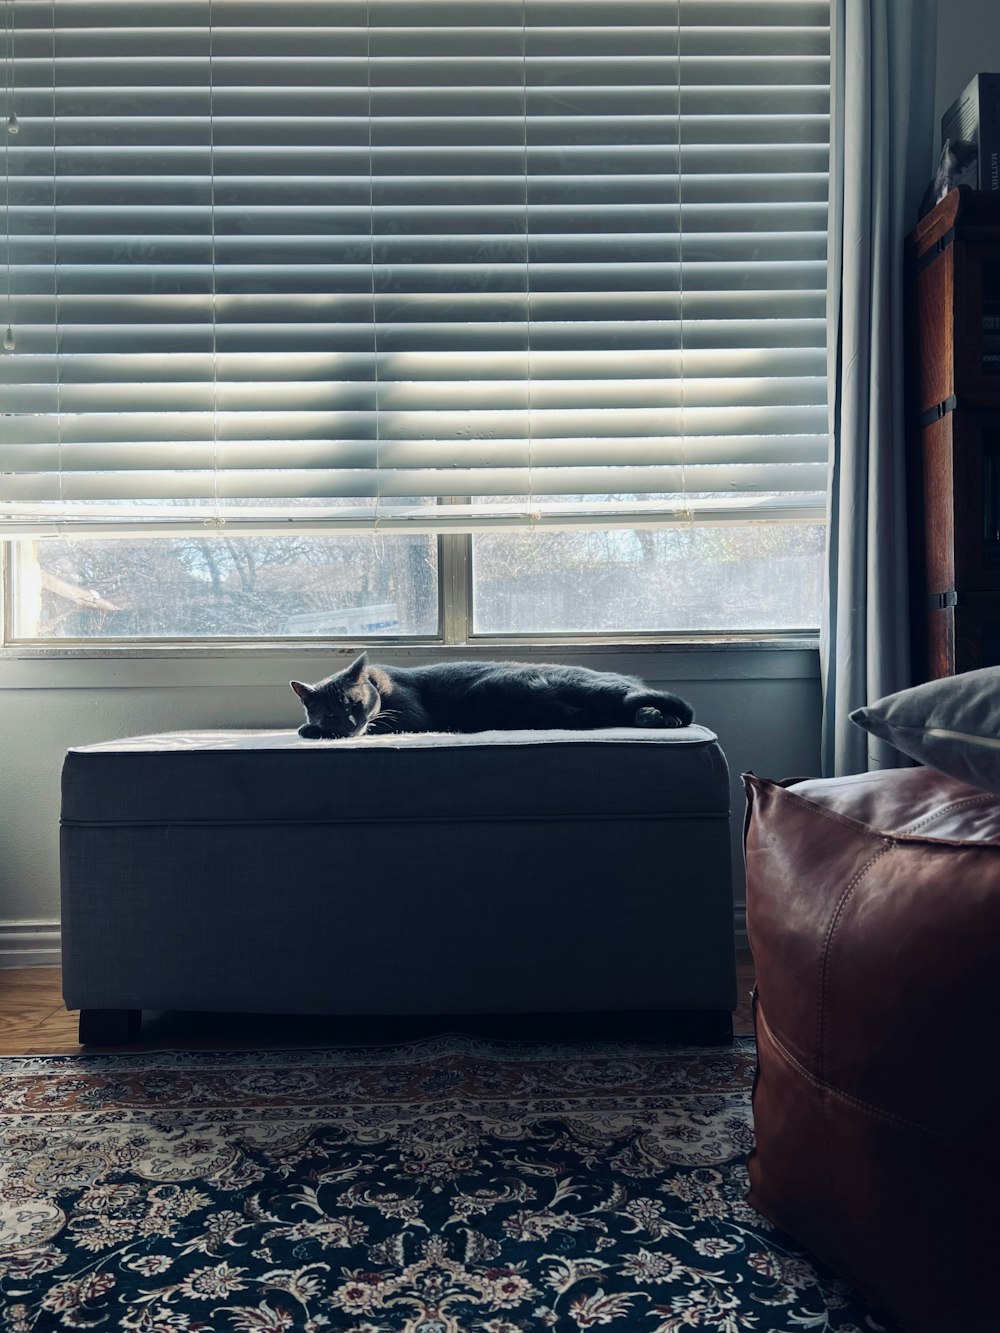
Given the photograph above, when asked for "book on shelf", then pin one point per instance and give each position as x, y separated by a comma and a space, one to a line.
975, 117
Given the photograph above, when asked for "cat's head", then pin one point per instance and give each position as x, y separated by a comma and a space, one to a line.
341, 705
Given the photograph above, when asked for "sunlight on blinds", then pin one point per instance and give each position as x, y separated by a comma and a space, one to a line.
437, 264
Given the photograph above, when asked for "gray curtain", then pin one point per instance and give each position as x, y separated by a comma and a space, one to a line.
882, 155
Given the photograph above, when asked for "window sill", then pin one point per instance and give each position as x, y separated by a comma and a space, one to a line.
243, 665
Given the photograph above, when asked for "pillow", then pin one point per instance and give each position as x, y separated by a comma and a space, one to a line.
952, 725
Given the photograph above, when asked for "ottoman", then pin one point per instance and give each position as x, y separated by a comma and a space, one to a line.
873, 907
501, 872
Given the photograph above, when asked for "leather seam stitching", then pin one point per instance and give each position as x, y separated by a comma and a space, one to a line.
845, 897
984, 799
868, 1107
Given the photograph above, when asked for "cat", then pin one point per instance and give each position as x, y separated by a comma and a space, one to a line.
480, 696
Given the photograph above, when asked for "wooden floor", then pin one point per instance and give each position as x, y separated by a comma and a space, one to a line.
34, 1021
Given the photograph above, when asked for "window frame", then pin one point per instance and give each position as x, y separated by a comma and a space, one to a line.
455, 626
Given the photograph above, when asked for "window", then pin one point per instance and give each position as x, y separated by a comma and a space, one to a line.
414, 317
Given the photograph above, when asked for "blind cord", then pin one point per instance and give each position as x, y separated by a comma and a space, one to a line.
685, 501
379, 550
12, 128
216, 520
533, 514
55, 281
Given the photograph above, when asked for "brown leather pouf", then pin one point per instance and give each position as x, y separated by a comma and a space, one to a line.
873, 906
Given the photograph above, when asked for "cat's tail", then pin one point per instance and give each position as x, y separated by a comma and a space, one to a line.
658, 710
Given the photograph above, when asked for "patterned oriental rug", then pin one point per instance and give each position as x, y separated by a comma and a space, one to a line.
451, 1184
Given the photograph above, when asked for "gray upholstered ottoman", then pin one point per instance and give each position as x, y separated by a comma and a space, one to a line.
502, 872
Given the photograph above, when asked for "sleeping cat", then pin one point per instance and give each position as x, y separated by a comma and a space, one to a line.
480, 696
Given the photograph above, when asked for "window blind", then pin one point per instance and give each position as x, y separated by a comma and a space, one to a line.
425, 264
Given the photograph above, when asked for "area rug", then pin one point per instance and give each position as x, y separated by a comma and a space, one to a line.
447, 1185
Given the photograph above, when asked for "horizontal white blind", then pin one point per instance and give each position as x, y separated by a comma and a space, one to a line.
435, 263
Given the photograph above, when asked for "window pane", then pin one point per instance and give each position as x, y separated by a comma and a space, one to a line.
761, 577
357, 587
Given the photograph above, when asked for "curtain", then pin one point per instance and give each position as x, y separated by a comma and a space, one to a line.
882, 150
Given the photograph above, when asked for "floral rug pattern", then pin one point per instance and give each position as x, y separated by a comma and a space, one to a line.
446, 1186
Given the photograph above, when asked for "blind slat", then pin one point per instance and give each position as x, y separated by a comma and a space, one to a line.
708, 451
553, 402
714, 335
637, 427
601, 371
393, 483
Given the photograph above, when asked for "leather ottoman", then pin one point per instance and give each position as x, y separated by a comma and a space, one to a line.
873, 909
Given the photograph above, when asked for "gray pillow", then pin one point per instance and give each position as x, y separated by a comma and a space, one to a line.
952, 725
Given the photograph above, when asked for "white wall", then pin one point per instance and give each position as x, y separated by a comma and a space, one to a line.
968, 44
763, 703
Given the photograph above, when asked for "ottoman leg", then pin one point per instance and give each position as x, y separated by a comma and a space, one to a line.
109, 1027
707, 1027
686, 1027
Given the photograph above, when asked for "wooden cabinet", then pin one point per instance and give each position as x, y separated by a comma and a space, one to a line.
953, 392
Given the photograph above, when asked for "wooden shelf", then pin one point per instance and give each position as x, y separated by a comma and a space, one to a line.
953, 432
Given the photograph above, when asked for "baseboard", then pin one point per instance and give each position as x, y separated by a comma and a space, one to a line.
29, 944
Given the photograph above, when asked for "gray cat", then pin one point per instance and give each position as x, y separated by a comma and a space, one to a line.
956, 166
480, 696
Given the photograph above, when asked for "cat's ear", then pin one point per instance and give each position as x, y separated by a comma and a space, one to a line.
303, 691
357, 668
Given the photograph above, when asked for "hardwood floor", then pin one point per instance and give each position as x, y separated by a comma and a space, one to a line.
32, 1014
34, 1021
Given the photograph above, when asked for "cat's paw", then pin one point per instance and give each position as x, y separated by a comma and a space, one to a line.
651, 717
655, 717
310, 733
